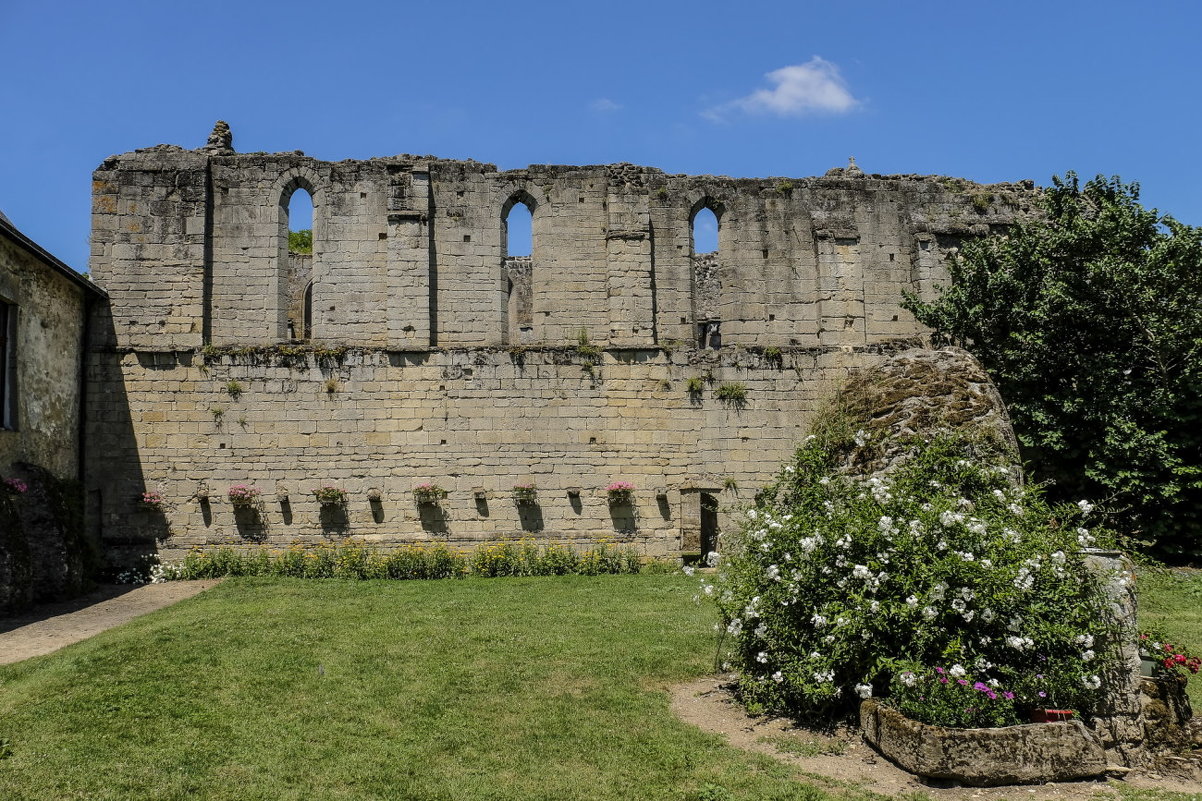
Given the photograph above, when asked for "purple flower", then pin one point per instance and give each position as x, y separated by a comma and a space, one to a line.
1042, 694
981, 686
963, 682
1008, 696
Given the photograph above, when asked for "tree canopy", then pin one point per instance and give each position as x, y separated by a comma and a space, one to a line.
300, 241
1089, 318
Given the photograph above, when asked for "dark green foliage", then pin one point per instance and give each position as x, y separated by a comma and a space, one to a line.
300, 242
1090, 322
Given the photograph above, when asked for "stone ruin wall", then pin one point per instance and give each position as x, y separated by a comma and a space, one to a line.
433, 357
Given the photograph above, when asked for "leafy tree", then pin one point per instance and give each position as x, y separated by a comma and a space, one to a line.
1089, 318
300, 241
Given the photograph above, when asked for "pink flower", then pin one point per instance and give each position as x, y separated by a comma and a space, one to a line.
16, 485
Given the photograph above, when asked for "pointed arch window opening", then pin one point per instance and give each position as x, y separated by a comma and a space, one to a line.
704, 248
298, 210
517, 247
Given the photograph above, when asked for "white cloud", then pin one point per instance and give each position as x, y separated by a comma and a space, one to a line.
604, 105
815, 87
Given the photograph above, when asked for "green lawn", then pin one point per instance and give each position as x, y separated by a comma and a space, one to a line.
1172, 600
540, 688
292, 689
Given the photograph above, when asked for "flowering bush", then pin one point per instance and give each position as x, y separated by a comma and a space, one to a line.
1174, 659
329, 495
151, 500
429, 493
953, 697
525, 493
837, 585
243, 496
620, 492
15, 486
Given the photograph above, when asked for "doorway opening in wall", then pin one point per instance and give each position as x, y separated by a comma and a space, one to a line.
709, 524
517, 239
704, 235
300, 264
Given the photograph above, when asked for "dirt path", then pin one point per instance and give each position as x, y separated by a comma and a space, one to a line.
52, 626
841, 759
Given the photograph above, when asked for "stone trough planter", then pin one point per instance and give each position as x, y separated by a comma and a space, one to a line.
1033, 753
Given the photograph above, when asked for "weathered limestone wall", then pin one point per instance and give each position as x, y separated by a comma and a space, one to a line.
410, 252
50, 329
43, 552
464, 366
474, 421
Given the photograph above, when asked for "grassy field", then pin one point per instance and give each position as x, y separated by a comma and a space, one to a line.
539, 688
291, 689
1172, 600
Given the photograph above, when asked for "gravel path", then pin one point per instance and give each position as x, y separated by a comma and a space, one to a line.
49, 627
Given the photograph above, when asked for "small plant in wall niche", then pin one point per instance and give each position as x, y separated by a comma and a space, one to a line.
785, 187
429, 493
330, 495
218, 413
732, 392
620, 492
662, 193
525, 493
331, 386
152, 500
234, 389
244, 496
730, 484
773, 356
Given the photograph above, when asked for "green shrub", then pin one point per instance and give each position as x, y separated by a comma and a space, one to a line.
838, 586
353, 560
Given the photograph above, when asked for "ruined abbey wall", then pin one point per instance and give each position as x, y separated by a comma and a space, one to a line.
427, 355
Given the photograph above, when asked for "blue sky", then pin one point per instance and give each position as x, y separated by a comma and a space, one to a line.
990, 92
